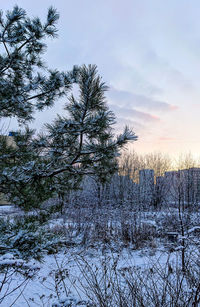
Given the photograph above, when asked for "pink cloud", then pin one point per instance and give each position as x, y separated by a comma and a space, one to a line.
131, 113
172, 107
164, 138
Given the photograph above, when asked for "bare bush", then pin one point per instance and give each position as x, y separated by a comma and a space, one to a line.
159, 284
12, 269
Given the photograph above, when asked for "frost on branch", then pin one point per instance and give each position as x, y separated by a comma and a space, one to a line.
127, 135
82, 143
74, 146
25, 83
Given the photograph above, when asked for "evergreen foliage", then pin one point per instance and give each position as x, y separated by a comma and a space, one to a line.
28, 237
37, 167
26, 84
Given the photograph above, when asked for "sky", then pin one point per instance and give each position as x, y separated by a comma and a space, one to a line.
148, 53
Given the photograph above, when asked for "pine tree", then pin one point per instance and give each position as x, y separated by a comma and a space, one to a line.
26, 84
81, 143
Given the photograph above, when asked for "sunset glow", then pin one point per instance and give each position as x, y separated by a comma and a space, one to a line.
148, 52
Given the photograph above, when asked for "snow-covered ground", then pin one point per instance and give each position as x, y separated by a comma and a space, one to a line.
41, 291
74, 270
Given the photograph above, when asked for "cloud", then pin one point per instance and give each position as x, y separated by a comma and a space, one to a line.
166, 70
164, 138
142, 101
121, 122
129, 113
136, 126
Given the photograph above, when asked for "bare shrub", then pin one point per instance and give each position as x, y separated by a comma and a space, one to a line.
10, 269
161, 285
